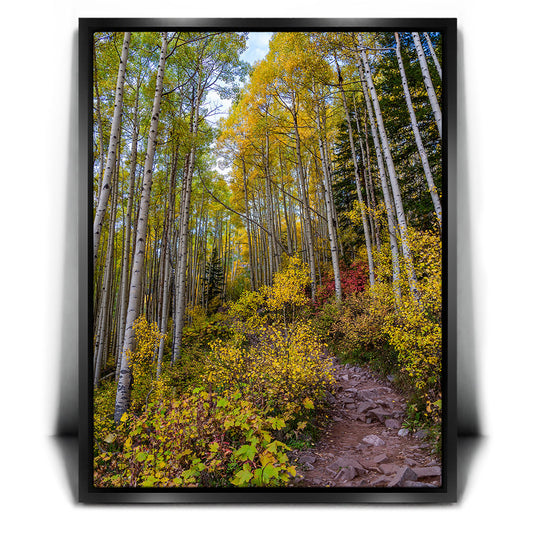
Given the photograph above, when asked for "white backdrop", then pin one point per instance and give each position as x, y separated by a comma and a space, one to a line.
39, 282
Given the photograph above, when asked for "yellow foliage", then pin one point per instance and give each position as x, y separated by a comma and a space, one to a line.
415, 329
256, 309
200, 439
143, 361
248, 314
289, 286
373, 322
363, 318
286, 367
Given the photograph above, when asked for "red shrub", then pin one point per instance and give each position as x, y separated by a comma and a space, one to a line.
353, 279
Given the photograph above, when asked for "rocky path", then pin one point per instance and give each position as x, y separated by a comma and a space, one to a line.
365, 445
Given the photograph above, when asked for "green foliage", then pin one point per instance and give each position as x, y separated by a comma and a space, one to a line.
203, 328
204, 439
213, 282
237, 284
103, 407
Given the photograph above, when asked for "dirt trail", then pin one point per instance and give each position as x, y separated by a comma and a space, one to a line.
364, 445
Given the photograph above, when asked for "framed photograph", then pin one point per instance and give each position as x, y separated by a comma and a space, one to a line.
267, 255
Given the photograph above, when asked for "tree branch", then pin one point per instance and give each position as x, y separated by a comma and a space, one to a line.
241, 214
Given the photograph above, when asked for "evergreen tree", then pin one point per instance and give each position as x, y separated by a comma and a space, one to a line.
213, 281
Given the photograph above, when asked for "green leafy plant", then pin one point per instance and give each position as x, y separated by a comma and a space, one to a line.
203, 439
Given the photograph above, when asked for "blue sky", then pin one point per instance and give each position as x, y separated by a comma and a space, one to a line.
257, 46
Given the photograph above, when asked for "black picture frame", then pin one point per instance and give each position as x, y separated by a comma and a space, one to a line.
447, 492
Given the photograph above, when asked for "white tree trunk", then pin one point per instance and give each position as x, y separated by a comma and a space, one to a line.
124, 380
391, 222
366, 231
164, 311
369, 184
418, 138
433, 55
308, 235
124, 284
167, 246
181, 268
402, 223
112, 149
427, 82
105, 302
248, 228
332, 226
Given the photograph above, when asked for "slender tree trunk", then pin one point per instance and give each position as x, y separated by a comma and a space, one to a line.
402, 223
286, 214
99, 124
127, 238
267, 210
248, 229
327, 153
331, 222
369, 182
391, 223
105, 303
184, 230
362, 204
181, 267
427, 82
124, 381
112, 149
305, 211
433, 54
418, 138
166, 269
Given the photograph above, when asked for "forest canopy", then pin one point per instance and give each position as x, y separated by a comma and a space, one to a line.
251, 223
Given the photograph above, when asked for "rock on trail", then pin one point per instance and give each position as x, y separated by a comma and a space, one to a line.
364, 445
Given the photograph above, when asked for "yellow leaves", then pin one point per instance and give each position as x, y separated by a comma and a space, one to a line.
147, 338
286, 367
110, 438
289, 286
308, 403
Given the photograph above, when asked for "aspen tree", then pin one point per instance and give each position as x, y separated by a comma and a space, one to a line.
181, 268
362, 204
369, 182
112, 149
398, 203
391, 218
105, 301
167, 243
427, 82
124, 380
331, 222
125, 270
418, 138
433, 54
